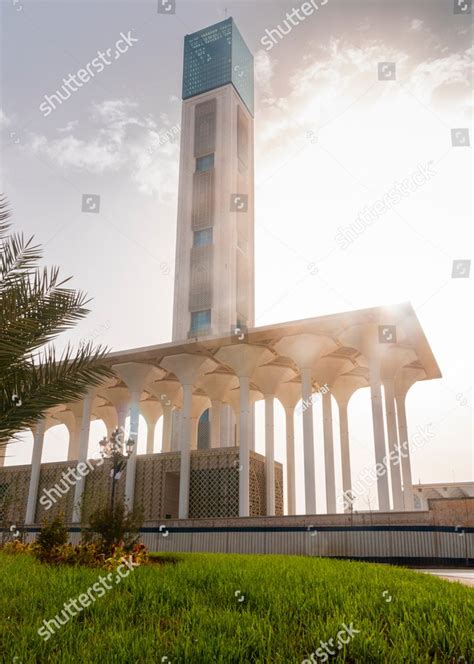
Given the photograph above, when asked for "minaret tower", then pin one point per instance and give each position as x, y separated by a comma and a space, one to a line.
214, 282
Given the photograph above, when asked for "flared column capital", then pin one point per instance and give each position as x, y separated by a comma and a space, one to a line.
305, 349
244, 358
187, 367
269, 377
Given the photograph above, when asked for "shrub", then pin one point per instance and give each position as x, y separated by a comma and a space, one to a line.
68, 554
52, 536
91, 555
110, 529
138, 555
101, 549
16, 546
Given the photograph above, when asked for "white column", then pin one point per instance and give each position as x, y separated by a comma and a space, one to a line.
132, 460
290, 460
166, 432
252, 427
120, 399
135, 375
185, 444
345, 452
244, 454
82, 457
35, 473
237, 432
3, 454
405, 453
229, 424
73, 447
216, 407
150, 436
393, 445
121, 418
329, 468
308, 442
150, 411
270, 454
379, 433
244, 359
177, 421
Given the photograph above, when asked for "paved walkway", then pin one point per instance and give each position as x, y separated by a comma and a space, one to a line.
465, 576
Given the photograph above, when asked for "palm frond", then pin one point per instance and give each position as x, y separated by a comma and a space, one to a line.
17, 257
36, 306
44, 381
4, 216
34, 311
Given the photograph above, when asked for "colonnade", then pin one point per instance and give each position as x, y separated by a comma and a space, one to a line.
292, 369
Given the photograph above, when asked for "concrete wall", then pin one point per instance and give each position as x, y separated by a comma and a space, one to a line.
393, 544
444, 535
409, 545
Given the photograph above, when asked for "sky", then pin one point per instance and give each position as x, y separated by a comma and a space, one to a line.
336, 131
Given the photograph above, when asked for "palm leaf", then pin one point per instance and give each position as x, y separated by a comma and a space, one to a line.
35, 308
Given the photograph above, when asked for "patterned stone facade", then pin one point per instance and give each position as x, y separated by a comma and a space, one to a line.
258, 502
214, 487
14, 483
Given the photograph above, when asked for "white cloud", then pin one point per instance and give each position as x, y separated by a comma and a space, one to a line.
452, 72
157, 173
264, 70
416, 25
72, 124
5, 121
339, 77
94, 156
341, 64
331, 79
121, 139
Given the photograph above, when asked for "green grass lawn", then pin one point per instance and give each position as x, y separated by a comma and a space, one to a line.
190, 612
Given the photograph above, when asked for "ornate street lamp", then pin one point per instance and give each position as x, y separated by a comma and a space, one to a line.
113, 448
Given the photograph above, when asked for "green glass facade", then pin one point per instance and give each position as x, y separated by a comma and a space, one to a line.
216, 56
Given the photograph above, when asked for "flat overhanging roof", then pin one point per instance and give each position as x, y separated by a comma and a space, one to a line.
409, 336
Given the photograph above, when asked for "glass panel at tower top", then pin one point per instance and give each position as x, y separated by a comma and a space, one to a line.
215, 56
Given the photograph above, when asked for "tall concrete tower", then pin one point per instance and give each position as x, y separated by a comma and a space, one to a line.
214, 283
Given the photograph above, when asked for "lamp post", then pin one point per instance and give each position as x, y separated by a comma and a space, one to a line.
113, 448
